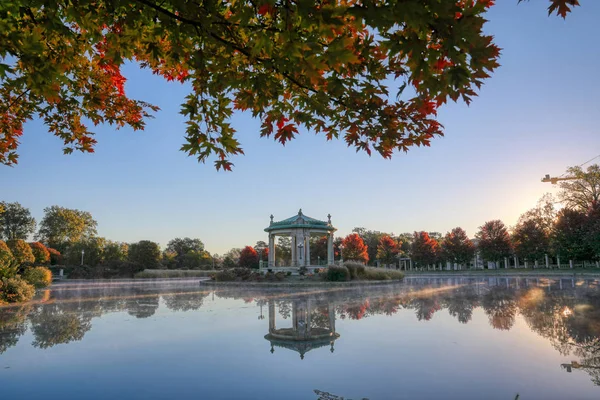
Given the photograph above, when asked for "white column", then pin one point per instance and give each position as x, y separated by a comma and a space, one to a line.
535, 264
274, 259
271, 250
571, 264
293, 257
558, 261
547, 261
308, 249
516, 262
330, 249
506, 262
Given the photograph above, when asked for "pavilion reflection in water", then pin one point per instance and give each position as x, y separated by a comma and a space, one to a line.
313, 326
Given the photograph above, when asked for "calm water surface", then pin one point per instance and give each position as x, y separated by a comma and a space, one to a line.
447, 338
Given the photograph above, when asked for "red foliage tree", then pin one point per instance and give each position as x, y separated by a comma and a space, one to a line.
40, 252
353, 248
55, 256
387, 250
457, 247
248, 258
424, 250
494, 241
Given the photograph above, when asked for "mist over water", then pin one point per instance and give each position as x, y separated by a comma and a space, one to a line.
449, 337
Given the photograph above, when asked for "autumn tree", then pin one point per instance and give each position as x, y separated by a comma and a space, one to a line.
530, 241
197, 260
16, 221
186, 251
354, 249
593, 231
40, 252
183, 246
21, 251
371, 239
404, 244
92, 248
61, 226
387, 250
424, 250
145, 253
583, 192
331, 68
55, 256
457, 247
248, 258
115, 251
6, 258
569, 236
493, 241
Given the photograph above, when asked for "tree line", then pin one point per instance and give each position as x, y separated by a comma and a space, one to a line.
571, 233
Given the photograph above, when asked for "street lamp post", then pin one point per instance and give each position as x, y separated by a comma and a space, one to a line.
82, 253
300, 247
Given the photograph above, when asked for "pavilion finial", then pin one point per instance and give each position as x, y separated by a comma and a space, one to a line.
329, 218
300, 212
271, 219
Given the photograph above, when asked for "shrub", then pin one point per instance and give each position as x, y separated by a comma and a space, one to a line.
273, 277
224, 276
289, 273
55, 256
302, 270
39, 277
15, 290
21, 251
40, 252
337, 273
373, 274
355, 269
121, 268
6, 256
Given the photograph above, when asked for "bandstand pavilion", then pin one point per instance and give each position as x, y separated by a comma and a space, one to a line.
300, 228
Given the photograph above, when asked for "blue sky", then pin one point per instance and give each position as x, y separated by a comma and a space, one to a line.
538, 114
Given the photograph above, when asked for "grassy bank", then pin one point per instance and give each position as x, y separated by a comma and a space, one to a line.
172, 273
510, 271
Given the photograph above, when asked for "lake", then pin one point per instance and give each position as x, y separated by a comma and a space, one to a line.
424, 338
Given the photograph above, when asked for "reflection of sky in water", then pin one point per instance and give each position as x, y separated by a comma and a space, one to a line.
447, 338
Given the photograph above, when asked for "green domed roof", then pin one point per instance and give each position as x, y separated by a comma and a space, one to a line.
300, 221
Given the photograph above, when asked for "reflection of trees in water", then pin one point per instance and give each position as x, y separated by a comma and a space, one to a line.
462, 303
142, 307
569, 317
500, 306
319, 316
425, 307
185, 301
51, 327
285, 308
13, 324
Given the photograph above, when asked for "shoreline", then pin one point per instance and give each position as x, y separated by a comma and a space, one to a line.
299, 283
